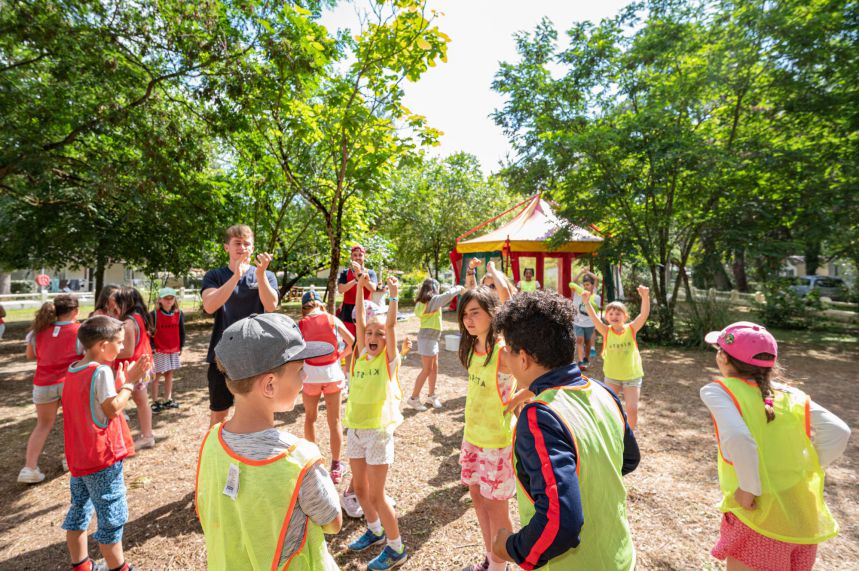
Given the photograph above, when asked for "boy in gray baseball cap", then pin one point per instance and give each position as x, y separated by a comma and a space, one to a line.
264, 498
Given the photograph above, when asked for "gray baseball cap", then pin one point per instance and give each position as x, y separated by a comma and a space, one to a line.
262, 342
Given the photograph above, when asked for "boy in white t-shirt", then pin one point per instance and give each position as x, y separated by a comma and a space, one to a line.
583, 324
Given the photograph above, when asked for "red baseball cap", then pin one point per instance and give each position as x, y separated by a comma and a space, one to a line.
358, 247
743, 340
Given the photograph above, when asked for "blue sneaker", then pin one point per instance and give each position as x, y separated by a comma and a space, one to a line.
369, 539
388, 559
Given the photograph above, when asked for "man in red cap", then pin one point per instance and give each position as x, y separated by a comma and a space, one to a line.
348, 285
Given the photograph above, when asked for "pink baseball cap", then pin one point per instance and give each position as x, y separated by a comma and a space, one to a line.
358, 247
743, 340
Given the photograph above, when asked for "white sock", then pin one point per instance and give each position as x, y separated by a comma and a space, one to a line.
396, 544
375, 526
497, 565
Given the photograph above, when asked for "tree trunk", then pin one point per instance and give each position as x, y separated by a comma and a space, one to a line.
99, 274
5, 283
739, 269
334, 238
812, 257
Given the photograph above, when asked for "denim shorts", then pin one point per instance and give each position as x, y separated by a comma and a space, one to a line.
586, 332
103, 492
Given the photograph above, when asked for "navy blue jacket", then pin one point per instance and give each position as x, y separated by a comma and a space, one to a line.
546, 468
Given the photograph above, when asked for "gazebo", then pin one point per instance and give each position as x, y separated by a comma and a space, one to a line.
526, 237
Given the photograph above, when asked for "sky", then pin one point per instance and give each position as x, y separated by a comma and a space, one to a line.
457, 96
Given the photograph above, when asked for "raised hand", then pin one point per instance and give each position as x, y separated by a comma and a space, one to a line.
393, 286
138, 369
586, 296
643, 291
473, 263
263, 260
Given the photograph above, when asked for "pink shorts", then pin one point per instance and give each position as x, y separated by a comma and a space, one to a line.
316, 389
490, 468
738, 541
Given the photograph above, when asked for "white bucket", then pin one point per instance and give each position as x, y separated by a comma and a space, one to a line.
451, 342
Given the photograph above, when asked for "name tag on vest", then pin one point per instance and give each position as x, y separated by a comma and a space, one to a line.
231, 489
56, 331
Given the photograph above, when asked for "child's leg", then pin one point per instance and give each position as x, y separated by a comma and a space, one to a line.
589, 343
433, 374
76, 541
107, 490
630, 403
77, 519
477, 500
361, 487
113, 554
335, 427
144, 413
734, 565
615, 388
426, 368
498, 514
311, 411
168, 385
580, 348
155, 387
46, 416
376, 476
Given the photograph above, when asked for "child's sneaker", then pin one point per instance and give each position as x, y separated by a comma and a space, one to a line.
388, 559
30, 475
143, 442
169, 403
415, 404
478, 567
583, 365
434, 401
337, 471
157, 407
593, 351
368, 540
351, 505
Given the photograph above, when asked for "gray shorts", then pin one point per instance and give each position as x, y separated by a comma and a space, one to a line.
47, 394
630, 383
375, 446
427, 347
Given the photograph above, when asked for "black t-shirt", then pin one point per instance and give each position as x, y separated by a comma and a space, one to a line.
243, 301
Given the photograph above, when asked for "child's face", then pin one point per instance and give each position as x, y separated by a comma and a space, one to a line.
615, 316
240, 247
167, 302
588, 285
529, 275
476, 319
287, 386
374, 336
108, 350
112, 306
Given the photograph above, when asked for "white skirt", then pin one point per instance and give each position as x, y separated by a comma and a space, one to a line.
165, 362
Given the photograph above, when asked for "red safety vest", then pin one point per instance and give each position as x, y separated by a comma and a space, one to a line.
90, 446
143, 346
167, 332
321, 327
56, 349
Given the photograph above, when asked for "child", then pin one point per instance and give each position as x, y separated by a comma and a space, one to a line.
571, 447
97, 441
486, 454
583, 323
774, 443
168, 341
105, 304
372, 415
263, 497
137, 323
622, 370
529, 283
429, 305
52, 342
2, 321
324, 375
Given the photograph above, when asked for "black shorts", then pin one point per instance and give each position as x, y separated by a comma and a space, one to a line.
346, 312
220, 397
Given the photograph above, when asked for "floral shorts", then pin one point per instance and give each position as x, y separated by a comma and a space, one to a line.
740, 542
490, 468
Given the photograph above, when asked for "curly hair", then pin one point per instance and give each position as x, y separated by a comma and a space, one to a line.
541, 324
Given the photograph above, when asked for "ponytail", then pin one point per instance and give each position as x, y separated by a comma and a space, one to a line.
45, 317
762, 376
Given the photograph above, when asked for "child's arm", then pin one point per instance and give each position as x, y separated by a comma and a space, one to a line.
391, 322
641, 320
181, 330
30, 349
502, 286
519, 400
406, 346
130, 342
471, 273
113, 405
346, 286
346, 336
360, 317
443, 299
600, 326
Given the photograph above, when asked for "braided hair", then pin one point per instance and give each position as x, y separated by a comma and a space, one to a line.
763, 376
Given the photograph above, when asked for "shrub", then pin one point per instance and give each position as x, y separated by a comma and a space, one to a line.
702, 316
23, 286
783, 307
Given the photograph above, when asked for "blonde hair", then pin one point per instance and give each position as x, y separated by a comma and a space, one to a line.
244, 386
238, 231
618, 306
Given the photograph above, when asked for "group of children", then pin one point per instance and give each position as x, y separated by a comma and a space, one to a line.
535, 427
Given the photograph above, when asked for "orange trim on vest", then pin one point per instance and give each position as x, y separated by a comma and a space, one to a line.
808, 416
730, 394
719, 442
197, 478
248, 461
286, 519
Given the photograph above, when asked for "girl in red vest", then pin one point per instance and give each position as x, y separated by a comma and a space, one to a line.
168, 340
137, 325
52, 342
324, 375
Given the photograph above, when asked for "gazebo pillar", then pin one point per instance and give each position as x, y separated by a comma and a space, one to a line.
540, 259
566, 274
514, 262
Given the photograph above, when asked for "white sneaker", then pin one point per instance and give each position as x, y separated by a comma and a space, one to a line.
65, 464
141, 442
435, 401
416, 404
30, 475
350, 504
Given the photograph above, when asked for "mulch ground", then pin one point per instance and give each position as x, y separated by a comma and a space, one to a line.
672, 495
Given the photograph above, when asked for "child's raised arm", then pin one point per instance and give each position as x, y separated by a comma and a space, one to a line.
471, 273
639, 321
502, 286
346, 336
601, 327
391, 322
361, 315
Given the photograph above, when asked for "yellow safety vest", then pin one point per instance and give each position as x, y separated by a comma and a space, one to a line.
596, 424
791, 506
428, 320
248, 532
621, 359
528, 286
487, 425
374, 394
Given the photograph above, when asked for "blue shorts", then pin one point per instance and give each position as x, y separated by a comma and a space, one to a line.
586, 332
104, 491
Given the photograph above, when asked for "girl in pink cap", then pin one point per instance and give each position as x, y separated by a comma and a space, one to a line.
774, 443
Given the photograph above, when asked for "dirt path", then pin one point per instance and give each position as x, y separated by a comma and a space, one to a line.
672, 496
